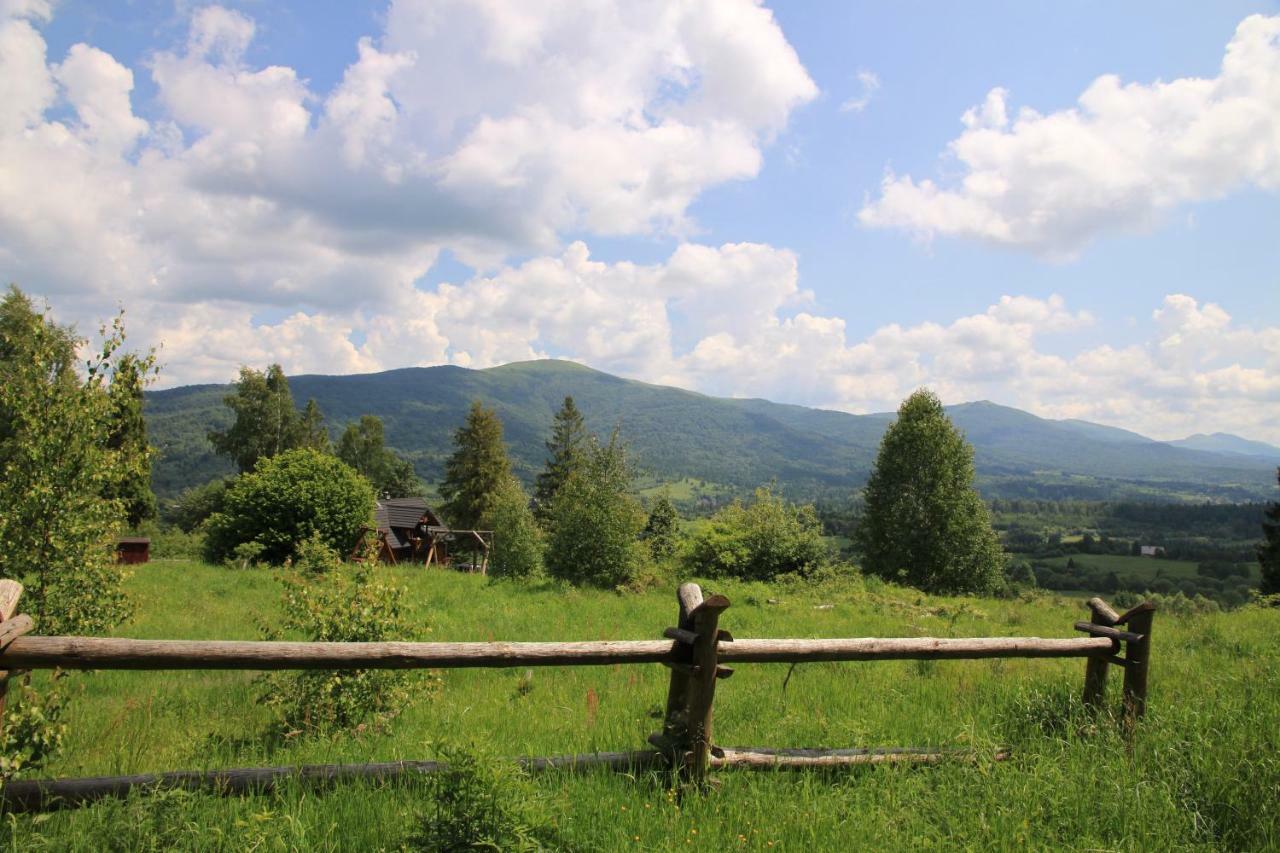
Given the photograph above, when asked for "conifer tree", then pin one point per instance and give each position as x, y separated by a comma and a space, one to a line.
662, 530
924, 523
1269, 550
129, 437
476, 470
567, 451
310, 428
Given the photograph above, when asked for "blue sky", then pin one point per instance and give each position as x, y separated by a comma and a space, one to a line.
783, 201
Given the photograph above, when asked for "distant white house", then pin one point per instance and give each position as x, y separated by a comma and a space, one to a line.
1152, 551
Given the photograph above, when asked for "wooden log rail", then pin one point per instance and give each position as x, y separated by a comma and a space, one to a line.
695, 651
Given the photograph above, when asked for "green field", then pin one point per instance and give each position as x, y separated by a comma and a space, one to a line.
1202, 774
1146, 568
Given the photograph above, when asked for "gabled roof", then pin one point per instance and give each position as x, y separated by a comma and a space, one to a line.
404, 513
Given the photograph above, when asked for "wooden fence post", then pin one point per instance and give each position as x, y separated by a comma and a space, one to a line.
11, 627
1138, 654
673, 741
702, 686
1095, 669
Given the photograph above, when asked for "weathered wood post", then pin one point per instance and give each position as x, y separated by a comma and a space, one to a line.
702, 682
1095, 668
11, 628
673, 740
1138, 654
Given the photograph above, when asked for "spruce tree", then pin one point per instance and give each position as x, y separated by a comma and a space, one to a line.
129, 437
310, 431
567, 451
662, 531
476, 470
1269, 550
924, 524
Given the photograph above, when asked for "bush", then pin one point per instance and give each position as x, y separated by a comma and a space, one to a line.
481, 804
196, 504
341, 604
289, 498
517, 539
759, 541
595, 523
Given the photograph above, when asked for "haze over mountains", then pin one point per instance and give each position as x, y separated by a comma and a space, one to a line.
741, 443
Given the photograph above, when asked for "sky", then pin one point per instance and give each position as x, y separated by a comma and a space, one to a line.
1069, 208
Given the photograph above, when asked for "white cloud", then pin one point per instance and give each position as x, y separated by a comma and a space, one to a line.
1118, 161
869, 82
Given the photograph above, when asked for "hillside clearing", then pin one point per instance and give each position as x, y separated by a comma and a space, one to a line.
1200, 774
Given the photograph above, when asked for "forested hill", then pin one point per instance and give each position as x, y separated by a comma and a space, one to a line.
675, 434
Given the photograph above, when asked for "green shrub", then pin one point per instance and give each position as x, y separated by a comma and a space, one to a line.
341, 604
289, 498
759, 541
482, 804
517, 539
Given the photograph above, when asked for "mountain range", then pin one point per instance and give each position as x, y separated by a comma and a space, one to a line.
737, 444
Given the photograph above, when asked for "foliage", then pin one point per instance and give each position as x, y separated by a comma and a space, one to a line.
662, 530
335, 603
476, 469
266, 422
595, 523
924, 523
313, 557
759, 541
129, 439
362, 447
1269, 551
197, 503
56, 463
480, 803
67, 474
567, 451
517, 539
287, 499
31, 729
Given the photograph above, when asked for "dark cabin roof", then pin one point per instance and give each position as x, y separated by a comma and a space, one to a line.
395, 515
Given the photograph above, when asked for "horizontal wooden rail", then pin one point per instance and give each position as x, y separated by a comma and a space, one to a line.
23, 795
117, 653
909, 648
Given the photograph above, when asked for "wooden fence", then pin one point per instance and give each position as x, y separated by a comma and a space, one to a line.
696, 650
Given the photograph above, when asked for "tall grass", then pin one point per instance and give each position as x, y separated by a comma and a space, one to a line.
1203, 772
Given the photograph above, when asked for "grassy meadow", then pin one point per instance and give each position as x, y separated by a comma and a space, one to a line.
1203, 773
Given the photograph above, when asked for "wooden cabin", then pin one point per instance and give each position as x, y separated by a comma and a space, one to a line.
407, 530
133, 549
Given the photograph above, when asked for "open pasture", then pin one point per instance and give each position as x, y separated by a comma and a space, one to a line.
1202, 772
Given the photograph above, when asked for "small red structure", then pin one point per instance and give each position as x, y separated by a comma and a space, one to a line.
133, 549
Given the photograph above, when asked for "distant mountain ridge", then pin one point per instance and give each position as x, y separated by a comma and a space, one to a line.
675, 434
1222, 442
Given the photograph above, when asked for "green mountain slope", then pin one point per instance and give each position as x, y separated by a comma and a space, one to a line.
1221, 442
676, 434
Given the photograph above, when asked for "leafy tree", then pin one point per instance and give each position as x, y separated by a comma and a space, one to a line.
595, 523
662, 530
287, 499
759, 541
266, 421
1269, 550
567, 448
476, 470
361, 446
57, 461
924, 523
129, 437
517, 539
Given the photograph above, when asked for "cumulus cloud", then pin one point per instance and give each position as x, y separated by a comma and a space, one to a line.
1123, 157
